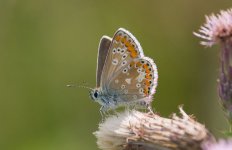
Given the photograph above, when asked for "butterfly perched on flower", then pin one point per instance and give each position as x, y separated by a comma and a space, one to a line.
124, 75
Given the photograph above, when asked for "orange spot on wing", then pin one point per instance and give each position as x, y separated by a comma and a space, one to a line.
123, 40
147, 83
132, 63
147, 76
130, 48
145, 91
117, 38
145, 66
127, 44
138, 64
147, 71
133, 54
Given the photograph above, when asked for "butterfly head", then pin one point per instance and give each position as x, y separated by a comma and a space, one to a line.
95, 94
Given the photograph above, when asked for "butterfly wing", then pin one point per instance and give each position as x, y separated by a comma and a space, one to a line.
102, 53
123, 49
136, 82
127, 73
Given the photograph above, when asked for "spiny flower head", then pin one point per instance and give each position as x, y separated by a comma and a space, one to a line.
147, 131
217, 28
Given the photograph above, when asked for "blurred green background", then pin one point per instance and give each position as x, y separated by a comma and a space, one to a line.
47, 44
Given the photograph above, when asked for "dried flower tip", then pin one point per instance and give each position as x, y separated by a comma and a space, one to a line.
146, 131
221, 145
217, 28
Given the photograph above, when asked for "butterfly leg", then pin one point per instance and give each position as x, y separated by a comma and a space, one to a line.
150, 109
128, 107
102, 118
107, 113
114, 112
103, 113
133, 106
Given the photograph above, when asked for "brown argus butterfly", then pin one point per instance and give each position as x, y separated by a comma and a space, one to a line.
124, 75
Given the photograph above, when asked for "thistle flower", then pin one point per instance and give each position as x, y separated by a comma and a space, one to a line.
218, 30
147, 131
221, 145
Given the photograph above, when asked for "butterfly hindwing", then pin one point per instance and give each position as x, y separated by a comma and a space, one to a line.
136, 81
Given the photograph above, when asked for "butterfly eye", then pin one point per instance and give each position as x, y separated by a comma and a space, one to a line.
95, 94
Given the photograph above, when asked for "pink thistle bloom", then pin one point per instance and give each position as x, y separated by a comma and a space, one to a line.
217, 28
221, 145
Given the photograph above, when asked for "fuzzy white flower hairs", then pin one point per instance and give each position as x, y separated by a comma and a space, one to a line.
134, 130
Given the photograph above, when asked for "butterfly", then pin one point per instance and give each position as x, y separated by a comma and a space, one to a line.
124, 75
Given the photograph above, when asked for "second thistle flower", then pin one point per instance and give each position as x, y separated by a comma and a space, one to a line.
218, 30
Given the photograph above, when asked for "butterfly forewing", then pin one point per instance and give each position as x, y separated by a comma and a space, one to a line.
123, 49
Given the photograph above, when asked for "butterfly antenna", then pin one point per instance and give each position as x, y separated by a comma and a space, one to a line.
86, 84
79, 86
